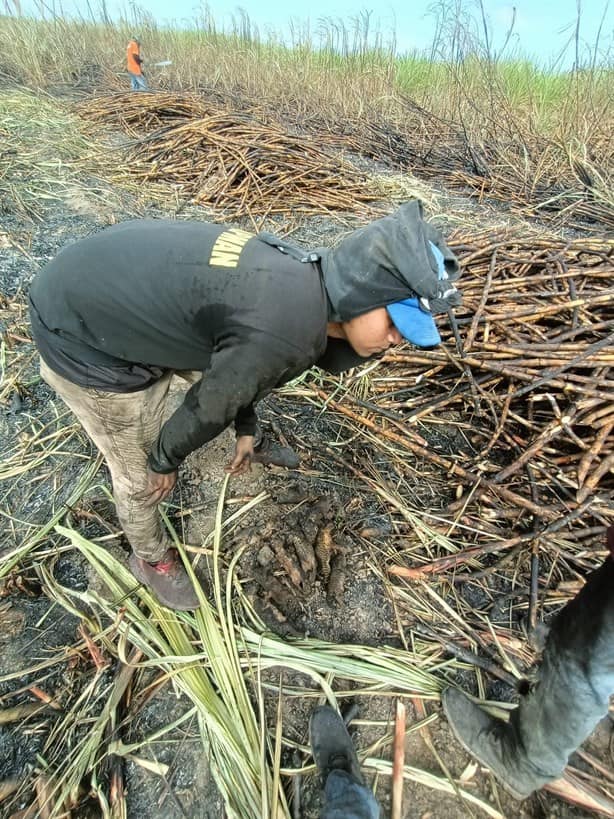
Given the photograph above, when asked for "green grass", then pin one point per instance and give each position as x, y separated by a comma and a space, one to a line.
342, 67
534, 126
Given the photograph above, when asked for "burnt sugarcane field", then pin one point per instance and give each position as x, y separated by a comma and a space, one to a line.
416, 544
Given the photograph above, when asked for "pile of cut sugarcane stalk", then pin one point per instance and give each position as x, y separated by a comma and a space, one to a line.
524, 378
537, 333
532, 174
256, 151
230, 161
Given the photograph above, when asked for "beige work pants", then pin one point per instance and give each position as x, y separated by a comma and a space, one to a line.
124, 427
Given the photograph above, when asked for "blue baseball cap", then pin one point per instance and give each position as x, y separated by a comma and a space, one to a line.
412, 320
413, 323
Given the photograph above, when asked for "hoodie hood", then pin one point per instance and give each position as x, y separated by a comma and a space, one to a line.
387, 261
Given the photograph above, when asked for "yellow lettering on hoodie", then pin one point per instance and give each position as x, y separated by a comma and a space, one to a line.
228, 246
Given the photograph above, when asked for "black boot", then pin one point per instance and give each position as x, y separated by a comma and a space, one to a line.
575, 680
331, 745
269, 452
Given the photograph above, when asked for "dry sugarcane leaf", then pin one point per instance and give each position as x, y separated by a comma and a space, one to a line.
21, 712
8, 788
572, 789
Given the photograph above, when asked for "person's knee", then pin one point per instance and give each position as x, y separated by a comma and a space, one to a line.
130, 486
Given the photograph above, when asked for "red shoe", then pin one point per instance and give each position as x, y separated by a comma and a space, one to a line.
167, 579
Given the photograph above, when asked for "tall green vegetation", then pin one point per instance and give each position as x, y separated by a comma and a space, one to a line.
342, 64
508, 115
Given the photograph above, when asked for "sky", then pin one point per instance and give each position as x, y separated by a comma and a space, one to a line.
542, 28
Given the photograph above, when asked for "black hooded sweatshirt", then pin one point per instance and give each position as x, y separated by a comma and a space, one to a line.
116, 310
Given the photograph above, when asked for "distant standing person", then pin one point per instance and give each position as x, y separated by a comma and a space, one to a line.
134, 63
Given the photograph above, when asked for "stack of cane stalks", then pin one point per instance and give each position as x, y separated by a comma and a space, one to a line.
230, 161
524, 378
536, 353
254, 162
533, 175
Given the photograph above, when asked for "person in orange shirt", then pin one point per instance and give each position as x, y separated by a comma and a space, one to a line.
134, 63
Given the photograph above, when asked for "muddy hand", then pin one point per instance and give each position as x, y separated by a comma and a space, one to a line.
270, 452
159, 486
244, 454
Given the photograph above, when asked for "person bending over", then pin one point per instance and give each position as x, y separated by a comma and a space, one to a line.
117, 314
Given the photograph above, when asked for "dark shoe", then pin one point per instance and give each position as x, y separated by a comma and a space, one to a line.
168, 580
570, 696
270, 452
493, 742
331, 745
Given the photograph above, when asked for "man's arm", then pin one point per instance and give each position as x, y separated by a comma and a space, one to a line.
339, 356
238, 376
246, 421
